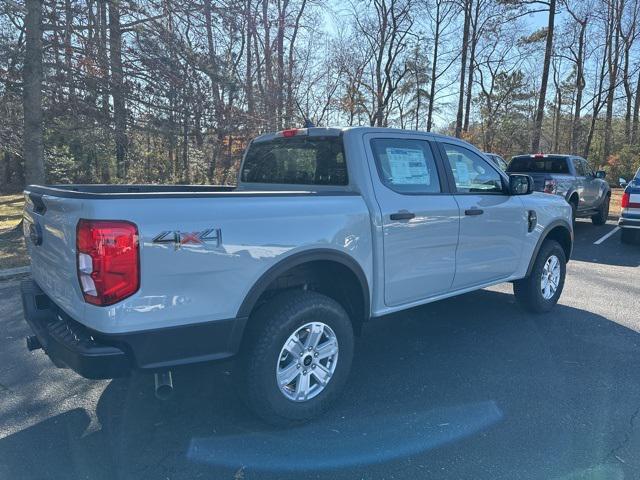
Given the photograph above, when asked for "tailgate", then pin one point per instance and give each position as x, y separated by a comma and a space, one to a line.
50, 235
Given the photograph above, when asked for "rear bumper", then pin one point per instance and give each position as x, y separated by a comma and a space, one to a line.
629, 221
98, 356
67, 343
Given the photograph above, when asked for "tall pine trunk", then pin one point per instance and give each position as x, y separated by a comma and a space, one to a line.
32, 95
117, 88
463, 66
537, 126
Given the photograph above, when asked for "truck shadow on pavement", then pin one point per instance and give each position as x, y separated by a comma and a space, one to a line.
469, 387
610, 252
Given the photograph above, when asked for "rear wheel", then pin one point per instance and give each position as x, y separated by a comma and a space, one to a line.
296, 357
601, 217
540, 291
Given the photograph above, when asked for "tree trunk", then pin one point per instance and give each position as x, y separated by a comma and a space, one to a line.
282, 11
636, 115
576, 128
32, 95
268, 68
613, 58
117, 88
68, 52
472, 59
463, 66
537, 127
294, 35
248, 77
432, 89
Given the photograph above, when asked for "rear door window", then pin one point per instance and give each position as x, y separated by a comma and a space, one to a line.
406, 165
298, 160
579, 166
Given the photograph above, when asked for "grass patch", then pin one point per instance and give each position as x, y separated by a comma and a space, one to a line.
10, 211
13, 252
616, 199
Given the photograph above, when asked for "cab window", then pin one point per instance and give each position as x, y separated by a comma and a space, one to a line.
406, 165
471, 172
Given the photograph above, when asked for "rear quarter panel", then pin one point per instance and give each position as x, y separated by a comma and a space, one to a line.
204, 282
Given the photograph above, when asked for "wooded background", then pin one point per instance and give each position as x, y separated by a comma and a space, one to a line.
171, 91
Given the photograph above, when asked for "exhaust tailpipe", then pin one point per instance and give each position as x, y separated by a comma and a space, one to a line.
164, 385
33, 343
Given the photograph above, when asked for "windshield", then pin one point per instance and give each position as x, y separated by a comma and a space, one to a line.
541, 164
299, 160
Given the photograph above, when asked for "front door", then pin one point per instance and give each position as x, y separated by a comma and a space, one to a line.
420, 218
492, 222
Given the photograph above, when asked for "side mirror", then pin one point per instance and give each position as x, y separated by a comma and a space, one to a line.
520, 184
601, 174
622, 182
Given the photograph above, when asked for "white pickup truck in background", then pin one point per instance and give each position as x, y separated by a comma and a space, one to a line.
327, 228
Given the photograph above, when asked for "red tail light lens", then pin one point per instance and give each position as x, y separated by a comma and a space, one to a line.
108, 260
626, 197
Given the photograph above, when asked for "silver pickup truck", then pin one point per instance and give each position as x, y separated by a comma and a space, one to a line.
326, 228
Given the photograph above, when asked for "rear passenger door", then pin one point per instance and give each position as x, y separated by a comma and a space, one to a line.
419, 216
591, 186
580, 182
492, 222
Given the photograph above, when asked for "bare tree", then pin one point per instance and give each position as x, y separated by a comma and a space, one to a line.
32, 91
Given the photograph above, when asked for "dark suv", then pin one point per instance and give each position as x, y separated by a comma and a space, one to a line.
570, 177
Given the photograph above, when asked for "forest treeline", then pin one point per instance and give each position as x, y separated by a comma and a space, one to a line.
171, 91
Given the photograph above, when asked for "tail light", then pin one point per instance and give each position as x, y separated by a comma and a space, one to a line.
627, 203
292, 132
108, 260
550, 186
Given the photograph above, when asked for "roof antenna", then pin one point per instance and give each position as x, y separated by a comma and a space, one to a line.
307, 123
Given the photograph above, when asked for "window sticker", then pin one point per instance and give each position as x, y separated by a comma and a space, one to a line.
462, 172
408, 166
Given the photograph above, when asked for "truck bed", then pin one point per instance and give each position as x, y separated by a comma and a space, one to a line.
132, 191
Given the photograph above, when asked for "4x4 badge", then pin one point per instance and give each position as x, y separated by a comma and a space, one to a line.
179, 238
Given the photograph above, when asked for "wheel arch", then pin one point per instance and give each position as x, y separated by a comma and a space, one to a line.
302, 268
573, 194
558, 230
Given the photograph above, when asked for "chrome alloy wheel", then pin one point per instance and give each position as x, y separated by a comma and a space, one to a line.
307, 361
550, 277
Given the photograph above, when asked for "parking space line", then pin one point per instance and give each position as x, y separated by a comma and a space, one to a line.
603, 238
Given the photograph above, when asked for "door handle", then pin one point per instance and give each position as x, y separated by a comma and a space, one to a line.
474, 211
402, 216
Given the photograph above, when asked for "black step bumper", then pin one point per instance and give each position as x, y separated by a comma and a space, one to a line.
97, 355
67, 343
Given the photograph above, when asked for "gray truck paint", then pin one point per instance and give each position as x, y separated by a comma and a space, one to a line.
589, 190
439, 253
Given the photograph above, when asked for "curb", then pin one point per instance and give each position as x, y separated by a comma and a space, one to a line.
12, 272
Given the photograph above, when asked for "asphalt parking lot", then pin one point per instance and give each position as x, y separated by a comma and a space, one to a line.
470, 387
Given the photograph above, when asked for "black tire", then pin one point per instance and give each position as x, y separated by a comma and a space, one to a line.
267, 333
574, 210
628, 235
601, 217
528, 290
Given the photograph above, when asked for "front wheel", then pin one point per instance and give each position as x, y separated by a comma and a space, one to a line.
296, 357
601, 217
540, 291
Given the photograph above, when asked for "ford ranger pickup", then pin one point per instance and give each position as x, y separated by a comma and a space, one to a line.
326, 228
571, 178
